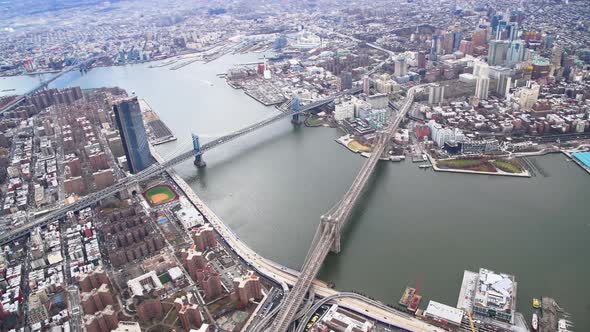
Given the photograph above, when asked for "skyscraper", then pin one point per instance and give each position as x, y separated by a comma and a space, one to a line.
133, 135
495, 22
482, 87
456, 40
401, 68
436, 94
501, 29
497, 52
503, 84
512, 29
366, 85
483, 81
515, 52
434, 48
480, 37
421, 60
346, 79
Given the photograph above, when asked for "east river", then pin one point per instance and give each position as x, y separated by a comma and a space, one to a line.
272, 186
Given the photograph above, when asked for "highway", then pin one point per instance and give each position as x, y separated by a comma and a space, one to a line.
156, 169
328, 234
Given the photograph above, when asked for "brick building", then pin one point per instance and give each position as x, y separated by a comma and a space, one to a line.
247, 287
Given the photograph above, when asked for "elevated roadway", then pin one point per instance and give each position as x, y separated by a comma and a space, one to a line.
328, 233
289, 277
158, 168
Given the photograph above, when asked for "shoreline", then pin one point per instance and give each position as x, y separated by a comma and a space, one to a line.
166, 57
345, 140
435, 167
574, 159
286, 276
259, 100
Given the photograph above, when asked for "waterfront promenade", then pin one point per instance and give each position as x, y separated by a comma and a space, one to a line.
288, 277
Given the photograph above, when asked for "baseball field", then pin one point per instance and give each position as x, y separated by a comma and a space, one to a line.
160, 194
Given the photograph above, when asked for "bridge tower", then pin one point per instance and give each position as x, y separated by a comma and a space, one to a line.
329, 221
295, 108
198, 154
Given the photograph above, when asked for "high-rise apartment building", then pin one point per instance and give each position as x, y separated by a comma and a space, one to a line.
436, 94
497, 52
346, 80
401, 67
515, 52
210, 281
366, 85
247, 287
135, 141
482, 87
204, 238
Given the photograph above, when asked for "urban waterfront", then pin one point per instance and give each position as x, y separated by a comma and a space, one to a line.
272, 187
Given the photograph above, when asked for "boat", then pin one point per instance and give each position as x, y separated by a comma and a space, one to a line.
536, 303
425, 166
535, 322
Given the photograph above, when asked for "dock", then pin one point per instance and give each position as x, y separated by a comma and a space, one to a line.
185, 63
418, 158
264, 99
164, 64
407, 296
158, 132
410, 299
264, 92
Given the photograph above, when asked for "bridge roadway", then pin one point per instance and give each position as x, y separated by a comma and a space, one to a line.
289, 277
328, 234
156, 169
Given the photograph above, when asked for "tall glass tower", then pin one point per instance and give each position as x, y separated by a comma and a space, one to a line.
133, 135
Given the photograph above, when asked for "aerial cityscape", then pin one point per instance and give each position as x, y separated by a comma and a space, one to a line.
309, 165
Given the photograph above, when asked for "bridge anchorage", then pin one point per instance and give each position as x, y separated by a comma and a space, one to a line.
198, 153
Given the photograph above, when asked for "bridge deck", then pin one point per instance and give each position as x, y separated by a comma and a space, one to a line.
156, 169
334, 220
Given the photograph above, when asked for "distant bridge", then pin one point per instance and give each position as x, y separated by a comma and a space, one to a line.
45, 84
156, 169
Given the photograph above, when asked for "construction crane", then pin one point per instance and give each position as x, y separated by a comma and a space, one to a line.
470, 320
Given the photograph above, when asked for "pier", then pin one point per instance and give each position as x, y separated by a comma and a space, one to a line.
158, 132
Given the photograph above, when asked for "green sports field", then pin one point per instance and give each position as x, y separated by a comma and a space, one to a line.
160, 194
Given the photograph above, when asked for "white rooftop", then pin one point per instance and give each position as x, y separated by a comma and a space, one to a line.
138, 287
445, 312
175, 273
203, 328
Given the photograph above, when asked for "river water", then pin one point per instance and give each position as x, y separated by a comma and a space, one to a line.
272, 186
